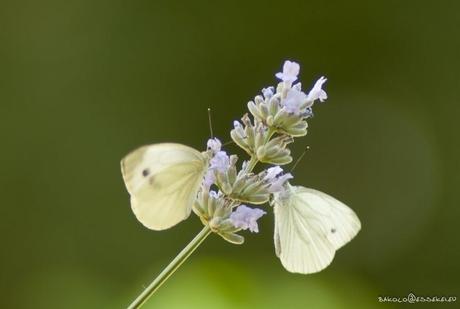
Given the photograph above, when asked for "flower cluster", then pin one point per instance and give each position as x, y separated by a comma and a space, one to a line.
278, 115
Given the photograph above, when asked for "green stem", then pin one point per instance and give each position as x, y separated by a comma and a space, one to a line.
252, 163
171, 268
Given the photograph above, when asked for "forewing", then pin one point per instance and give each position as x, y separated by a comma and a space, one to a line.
163, 180
339, 221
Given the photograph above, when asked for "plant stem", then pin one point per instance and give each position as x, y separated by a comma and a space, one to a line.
171, 268
252, 163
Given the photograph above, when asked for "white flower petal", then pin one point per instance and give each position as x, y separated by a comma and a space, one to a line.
213, 194
317, 92
209, 179
268, 92
220, 162
293, 101
237, 124
278, 184
290, 71
272, 172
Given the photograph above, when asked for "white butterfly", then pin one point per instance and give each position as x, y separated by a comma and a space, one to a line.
163, 181
309, 227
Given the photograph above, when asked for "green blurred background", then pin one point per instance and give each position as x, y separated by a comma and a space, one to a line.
82, 83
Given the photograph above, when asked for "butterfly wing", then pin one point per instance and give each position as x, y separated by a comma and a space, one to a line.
342, 223
163, 181
309, 227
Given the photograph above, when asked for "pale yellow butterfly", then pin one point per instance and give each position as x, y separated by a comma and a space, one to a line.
309, 227
163, 181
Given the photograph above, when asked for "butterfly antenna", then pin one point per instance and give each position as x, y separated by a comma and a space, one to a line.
228, 143
210, 122
299, 158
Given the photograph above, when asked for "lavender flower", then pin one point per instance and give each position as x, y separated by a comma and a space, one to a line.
276, 180
209, 179
214, 145
317, 92
245, 218
278, 184
220, 162
293, 101
290, 71
272, 172
268, 92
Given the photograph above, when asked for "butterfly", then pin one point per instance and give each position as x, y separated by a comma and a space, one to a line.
163, 181
310, 226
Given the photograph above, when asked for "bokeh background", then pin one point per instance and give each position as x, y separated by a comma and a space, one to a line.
84, 82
